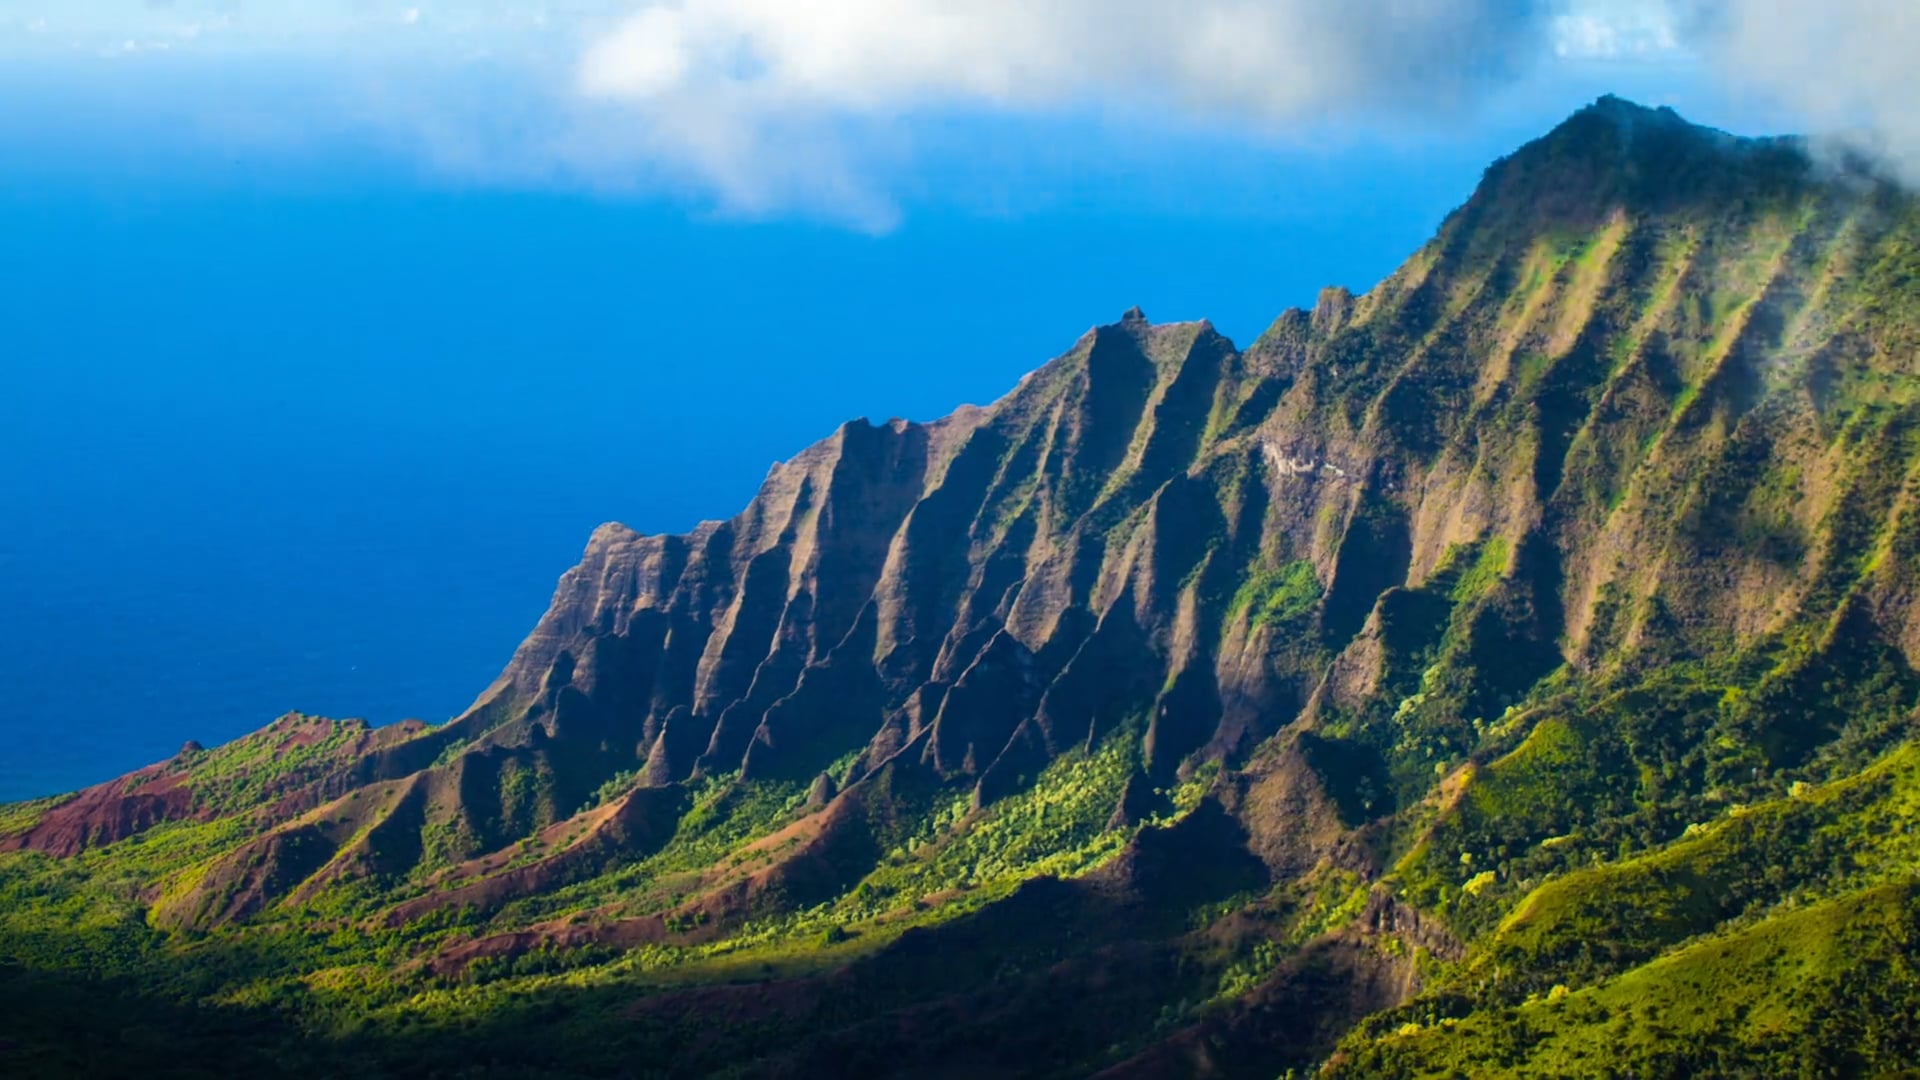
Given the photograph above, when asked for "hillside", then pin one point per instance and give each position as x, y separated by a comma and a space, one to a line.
1508, 671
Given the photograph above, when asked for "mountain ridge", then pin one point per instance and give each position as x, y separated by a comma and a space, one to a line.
1337, 683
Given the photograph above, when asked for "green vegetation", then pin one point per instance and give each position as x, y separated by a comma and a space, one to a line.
16, 818
239, 775
1277, 597
1489, 566
1831, 989
1057, 827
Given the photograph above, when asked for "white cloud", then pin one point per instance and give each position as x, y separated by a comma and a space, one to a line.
1851, 67
1623, 29
759, 98
1267, 60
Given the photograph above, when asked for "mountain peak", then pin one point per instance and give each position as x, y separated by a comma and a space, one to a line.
1616, 156
1628, 124
1625, 110
1615, 133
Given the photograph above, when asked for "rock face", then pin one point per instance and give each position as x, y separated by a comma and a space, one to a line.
1651, 396
916, 588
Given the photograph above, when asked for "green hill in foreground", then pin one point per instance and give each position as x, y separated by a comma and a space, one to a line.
1509, 671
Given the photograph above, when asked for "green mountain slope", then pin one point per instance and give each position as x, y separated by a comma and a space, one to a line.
1512, 668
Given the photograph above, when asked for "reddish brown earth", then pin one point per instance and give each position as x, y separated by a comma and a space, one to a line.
108, 812
561, 935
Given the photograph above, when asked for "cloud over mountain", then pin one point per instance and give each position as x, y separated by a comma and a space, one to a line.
1846, 65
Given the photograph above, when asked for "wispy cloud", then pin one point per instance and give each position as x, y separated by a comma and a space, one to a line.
1622, 29
1848, 66
762, 98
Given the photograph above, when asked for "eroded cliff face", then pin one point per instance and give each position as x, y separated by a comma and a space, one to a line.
1650, 396
904, 585
1630, 413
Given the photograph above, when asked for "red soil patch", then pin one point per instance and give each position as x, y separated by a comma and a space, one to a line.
616, 934
106, 813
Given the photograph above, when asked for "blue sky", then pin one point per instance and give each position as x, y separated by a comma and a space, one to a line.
328, 330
